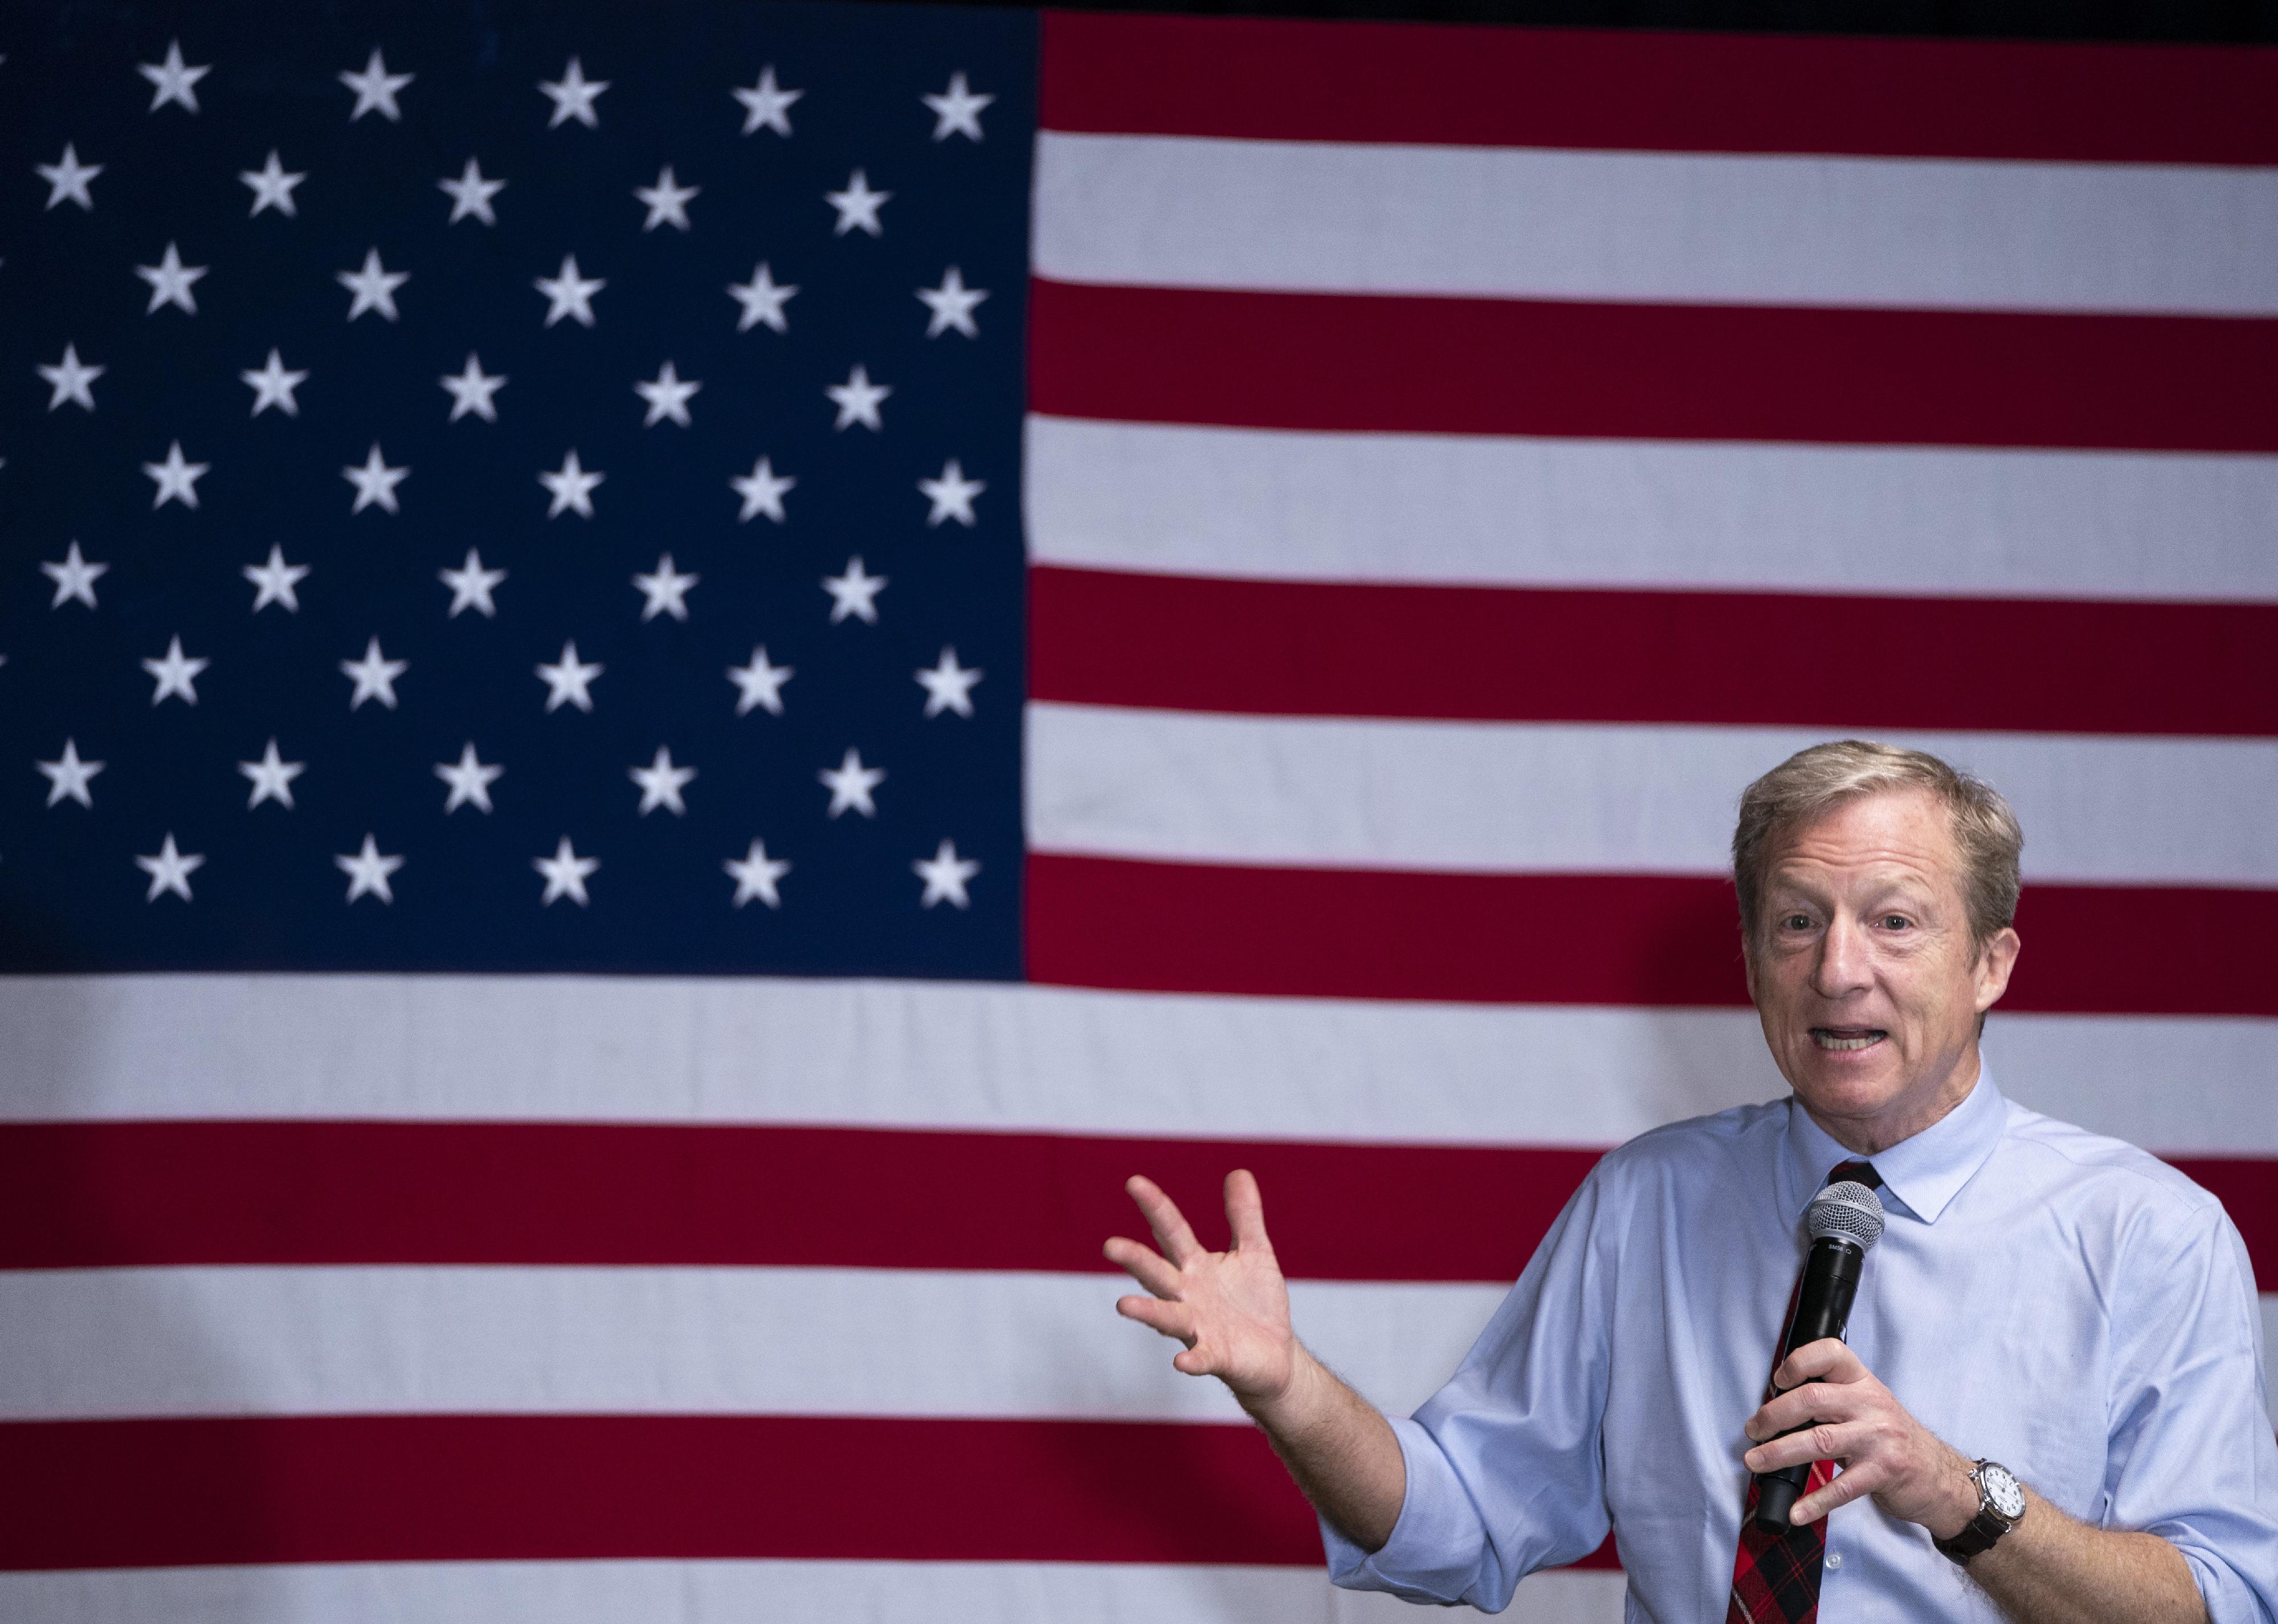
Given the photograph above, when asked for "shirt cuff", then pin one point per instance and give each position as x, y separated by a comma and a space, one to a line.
1434, 1552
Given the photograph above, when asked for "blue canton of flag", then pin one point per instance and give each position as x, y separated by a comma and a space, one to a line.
513, 487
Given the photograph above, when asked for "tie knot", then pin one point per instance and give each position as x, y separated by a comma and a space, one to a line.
1857, 1172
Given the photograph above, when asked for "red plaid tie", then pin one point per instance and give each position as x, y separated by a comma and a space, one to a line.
1776, 1576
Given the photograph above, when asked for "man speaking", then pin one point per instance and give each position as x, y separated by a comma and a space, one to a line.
2048, 1402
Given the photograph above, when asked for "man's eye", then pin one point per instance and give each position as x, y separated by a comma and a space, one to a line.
1796, 922
1895, 922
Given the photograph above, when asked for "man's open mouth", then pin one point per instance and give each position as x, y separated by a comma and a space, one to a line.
1842, 1038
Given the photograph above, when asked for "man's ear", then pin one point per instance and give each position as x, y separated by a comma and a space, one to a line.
1996, 961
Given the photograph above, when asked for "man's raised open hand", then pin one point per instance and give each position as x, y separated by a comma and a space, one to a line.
1231, 1308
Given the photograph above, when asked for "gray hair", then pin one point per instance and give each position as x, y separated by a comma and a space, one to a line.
1810, 782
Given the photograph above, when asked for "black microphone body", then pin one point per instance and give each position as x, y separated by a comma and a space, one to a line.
1823, 1308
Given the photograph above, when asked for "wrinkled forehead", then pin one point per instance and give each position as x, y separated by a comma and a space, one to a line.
1883, 836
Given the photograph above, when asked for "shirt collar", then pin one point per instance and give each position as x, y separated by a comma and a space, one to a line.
1926, 1172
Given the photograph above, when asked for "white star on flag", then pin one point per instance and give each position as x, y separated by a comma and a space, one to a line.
765, 106
755, 875
850, 784
169, 282
471, 194
667, 201
70, 379
177, 674
68, 178
177, 480
275, 580
567, 681
74, 578
175, 80
572, 96
661, 784
470, 779
758, 685
569, 293
68, 775
271, 776
949, 686
667, 396
272, 188
373, 285
762, 491
375, 89
471, 585
763, 299
666, 589
470, 390
169, 869
946, 876
857, 400
368, 872
572, 486
855, 593
374, 676
953, 304
858, 206
272, 384
957, 111
374, 482
952, 494
566, 874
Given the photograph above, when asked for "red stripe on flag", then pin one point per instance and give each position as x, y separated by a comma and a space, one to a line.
1285, 81
109, 1195
1103, 637
1360, 363
93, 1195
1581, 939
591, 1488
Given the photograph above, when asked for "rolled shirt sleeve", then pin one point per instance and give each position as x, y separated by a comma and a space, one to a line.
1505, 1464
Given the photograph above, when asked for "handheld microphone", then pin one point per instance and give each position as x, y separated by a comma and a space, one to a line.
1843, 1221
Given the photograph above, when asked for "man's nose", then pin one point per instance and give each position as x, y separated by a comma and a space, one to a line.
1844, 956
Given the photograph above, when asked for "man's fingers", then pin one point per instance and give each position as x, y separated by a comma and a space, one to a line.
1849, 1485
1194, 1362
1245, 1211
1172, 1234
1813, 1401
1827, 1441
1827, 1360
1144, 1265
1171, 1319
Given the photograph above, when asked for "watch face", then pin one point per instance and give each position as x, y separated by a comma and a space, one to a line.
2002, 1490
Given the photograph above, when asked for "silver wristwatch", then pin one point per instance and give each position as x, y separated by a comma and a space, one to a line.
2000, 1507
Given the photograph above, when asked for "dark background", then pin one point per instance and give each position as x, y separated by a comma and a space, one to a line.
2209, 21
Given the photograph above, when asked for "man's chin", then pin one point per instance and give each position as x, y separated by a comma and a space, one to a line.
1849, 1080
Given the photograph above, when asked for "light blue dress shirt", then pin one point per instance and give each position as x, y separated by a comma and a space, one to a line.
2043, 1296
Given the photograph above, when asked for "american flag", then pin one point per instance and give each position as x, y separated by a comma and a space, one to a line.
676, 678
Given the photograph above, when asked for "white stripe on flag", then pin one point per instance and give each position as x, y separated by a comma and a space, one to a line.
1327, 217
384, 1340
732, 1592
984, 1056
1557, 798
1914, 521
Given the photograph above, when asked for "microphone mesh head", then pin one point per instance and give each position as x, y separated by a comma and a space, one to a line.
1846, 1210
